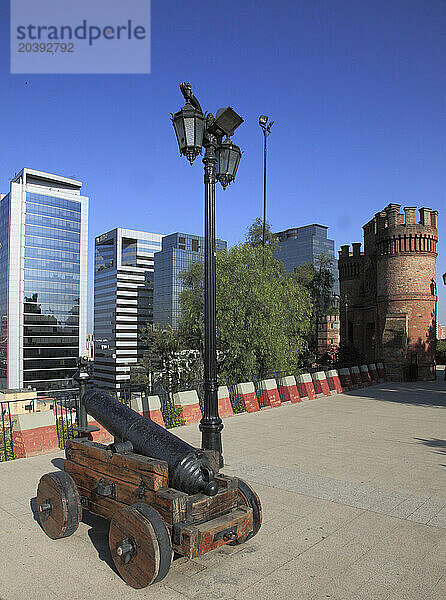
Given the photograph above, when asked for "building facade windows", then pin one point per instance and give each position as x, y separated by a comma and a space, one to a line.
179, 251
306, 245
123, 301
46, 270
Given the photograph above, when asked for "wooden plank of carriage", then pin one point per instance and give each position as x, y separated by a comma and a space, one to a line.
201, 507
170, 503
132, 468
197, 539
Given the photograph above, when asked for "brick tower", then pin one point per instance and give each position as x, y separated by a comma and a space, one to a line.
390, 292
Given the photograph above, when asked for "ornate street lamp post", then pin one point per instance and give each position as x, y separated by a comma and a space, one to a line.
266, 127
221, 159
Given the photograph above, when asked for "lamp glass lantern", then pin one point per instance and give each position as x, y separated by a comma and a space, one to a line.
228, 158
188, 123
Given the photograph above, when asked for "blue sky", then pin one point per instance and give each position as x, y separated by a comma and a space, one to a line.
356, 89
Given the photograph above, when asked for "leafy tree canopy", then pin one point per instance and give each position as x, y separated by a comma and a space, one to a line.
441, 352
165, 361
254, 234
318, 280
263, 314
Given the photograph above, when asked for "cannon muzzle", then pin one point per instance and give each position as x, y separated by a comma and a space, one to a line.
189, 468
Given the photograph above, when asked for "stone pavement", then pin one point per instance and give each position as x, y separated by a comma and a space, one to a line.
354, 497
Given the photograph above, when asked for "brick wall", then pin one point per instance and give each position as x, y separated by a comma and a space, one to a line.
391, 292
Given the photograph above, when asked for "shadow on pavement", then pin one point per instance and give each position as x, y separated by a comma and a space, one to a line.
98, 534
439, 445
58, 463
35, 510
420, 393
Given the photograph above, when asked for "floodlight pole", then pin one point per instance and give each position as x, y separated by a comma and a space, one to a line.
266, 128
264, 195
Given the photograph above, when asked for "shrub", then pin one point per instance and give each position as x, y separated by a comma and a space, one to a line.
441, 352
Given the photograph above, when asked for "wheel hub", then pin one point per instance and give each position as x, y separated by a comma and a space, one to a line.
126, 550
45, 509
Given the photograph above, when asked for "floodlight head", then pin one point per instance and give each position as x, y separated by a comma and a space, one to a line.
263, 120
444, 278
226, 121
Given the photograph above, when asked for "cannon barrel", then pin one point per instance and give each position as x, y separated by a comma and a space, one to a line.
189, 468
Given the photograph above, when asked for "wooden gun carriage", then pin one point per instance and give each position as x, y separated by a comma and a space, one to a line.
156, 507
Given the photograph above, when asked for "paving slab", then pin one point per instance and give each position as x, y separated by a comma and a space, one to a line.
354, 496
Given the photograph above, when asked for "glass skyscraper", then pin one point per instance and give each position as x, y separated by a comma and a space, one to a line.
43, 282
123, 301
306, 244
179, 251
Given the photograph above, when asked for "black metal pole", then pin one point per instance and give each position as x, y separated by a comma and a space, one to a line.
82, 411
264, 197
82, 378
210, 425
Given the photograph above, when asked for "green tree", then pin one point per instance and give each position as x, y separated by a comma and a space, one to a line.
318, 281
263, 314
441, 352
254, 234
159, 360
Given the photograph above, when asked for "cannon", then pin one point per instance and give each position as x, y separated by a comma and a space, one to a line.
189, 468
161, 495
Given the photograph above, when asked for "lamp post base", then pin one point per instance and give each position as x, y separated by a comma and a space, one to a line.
211, 428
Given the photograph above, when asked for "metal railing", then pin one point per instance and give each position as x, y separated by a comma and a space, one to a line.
237, 402
172, 415
65, 419
6, 438
65, 412
65, 408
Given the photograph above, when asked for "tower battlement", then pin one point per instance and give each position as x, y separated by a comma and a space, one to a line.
350, 263
391, 218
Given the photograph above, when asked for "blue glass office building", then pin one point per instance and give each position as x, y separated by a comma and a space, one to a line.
178, 252
43, 282
304, 245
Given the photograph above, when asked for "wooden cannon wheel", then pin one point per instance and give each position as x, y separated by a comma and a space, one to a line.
249, 498
140, 545
59, 505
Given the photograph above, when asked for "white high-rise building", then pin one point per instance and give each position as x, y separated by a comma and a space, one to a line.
43, 281
123, 302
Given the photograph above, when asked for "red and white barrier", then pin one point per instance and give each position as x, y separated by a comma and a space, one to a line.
288, 389
381, 371
373, 373
190, 404
248, 393
334, 383
320, 383
305, 386
270, 393
224, 402
365, 375
346, 379
34, 433
356, 377
102, 436
149, 407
